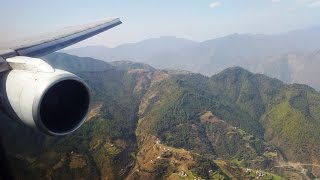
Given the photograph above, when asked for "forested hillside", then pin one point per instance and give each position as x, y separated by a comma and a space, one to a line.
152, 124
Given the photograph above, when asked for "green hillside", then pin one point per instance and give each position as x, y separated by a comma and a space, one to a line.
151, 124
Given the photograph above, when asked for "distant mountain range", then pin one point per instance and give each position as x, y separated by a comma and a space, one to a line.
292, 57
147, 123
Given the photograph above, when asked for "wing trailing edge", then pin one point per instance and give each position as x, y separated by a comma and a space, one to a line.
56, 41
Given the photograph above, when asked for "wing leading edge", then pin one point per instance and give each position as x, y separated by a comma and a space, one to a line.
60, 40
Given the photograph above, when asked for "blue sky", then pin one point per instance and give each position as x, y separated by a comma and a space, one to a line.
192, 19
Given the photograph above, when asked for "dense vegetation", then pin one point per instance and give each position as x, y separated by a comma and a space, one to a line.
245, 120
263, 107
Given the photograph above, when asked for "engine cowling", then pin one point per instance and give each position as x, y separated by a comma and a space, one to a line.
54, 101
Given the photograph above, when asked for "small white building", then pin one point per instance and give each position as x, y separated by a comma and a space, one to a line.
248, 170
260, 173
182, 174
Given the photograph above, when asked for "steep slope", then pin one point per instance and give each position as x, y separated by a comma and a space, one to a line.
292, 67
291, 110
101, 148
152, 124
235, 114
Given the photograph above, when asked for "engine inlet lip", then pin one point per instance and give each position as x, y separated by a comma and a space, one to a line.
40, 95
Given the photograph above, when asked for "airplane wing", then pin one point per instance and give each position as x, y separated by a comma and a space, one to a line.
25, 94
29, 84
49, 43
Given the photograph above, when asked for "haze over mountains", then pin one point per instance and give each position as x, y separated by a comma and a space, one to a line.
292, 57
152, 124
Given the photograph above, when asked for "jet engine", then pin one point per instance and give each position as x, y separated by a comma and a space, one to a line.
52, 100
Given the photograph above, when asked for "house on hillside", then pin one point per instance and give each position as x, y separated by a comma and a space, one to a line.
182, 174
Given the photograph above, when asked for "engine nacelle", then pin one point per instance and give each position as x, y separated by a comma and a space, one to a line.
54, 101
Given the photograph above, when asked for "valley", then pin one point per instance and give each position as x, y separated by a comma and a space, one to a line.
147, 123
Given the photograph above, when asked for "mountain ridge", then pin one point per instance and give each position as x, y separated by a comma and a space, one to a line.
290, 57
214, 126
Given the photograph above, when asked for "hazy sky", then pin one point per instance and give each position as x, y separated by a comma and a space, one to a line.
192, 19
